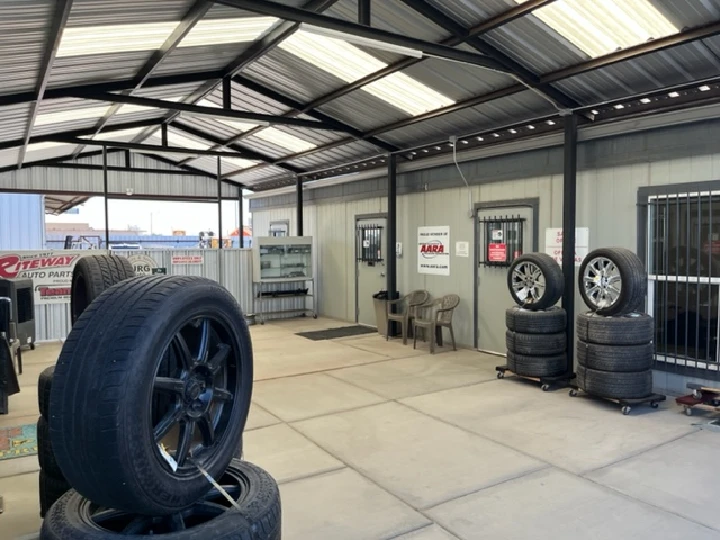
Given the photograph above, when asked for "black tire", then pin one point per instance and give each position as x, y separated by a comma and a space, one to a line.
629, 329
536, 366
621, 358
44, 387
615, 385
101, 401
50, 489
551, 273
259, 517
91, 276
536, 344
633, 288
549, 321
46, 456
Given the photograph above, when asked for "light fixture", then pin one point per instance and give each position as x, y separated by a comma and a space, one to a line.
512, 130
438, 148
496, 134
618, 106
464, 142
413, 153
531, 126
551, 122
645, 100
704, 88
480, 139
359, 40
425, 150
595, 112
673, 94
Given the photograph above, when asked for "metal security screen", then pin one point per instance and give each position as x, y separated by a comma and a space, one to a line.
683, 258
502, 240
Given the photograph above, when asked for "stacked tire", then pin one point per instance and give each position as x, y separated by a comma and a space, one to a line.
615, 339
91, 276
148, 405
536, 339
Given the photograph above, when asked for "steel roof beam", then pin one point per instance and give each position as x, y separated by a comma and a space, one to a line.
150, 148
217, 112
282, 11
59, 20
509, 16
689, 36
188, 22
247, 153
521, 73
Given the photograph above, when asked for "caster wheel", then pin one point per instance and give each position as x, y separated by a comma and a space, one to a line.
697, 394
626, 410
573, 393
545, 387
500, 374
654, 405
688, 411
262, 323
314, 315
32, 346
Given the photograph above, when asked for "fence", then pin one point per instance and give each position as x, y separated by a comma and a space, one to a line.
230, 267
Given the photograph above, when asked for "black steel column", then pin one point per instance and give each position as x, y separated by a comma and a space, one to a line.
299, 192
227, 93
568, 232
105, 193
219, 201
364, 12
391, 264
164, 135
241, 218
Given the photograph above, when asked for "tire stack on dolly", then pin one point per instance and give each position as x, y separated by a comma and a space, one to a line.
615, 340
535, 338
145, 419
91, 276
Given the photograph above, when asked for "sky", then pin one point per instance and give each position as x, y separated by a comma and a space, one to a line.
157, 217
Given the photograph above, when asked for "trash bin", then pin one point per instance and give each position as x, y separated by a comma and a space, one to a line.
380, 300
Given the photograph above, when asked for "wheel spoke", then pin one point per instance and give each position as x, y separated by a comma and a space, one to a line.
207, 429
220, 394
187, 430
216, 362
203, 351
167, 422
166, 384
183, 351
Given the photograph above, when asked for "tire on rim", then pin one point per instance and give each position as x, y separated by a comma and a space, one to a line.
91, 276
615, 357
211, 517
536, 366
536, 344
182, 338
535, 281
613, 281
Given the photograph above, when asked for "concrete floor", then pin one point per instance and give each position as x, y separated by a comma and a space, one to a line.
372, 440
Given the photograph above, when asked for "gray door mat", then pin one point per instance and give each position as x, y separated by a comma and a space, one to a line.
340, 332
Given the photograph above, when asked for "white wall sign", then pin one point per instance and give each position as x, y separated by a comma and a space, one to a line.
434, 250
462, 249
554, 243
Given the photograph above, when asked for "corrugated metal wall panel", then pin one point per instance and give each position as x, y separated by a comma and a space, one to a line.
22, 221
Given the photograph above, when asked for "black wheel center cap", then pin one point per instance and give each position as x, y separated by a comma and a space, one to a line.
193, 390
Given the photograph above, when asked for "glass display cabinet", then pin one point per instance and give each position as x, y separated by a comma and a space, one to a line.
284, 281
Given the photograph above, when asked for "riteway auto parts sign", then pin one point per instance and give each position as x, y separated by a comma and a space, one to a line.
51, 272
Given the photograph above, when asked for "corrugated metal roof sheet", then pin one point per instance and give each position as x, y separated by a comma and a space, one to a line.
22, 40
493, 115
75, 70
251, 178
13, 121
469, 13
106, 12
341, 154
362, 110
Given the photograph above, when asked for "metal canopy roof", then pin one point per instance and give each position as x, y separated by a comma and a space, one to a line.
308, 89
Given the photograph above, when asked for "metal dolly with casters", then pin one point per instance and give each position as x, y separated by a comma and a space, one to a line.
625, 403
703, 398
546, 383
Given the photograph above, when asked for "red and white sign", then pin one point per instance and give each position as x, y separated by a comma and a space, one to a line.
554, 243
188, 259
51, 272
497, 253
434, 250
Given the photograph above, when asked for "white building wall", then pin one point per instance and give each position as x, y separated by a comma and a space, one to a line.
22, 221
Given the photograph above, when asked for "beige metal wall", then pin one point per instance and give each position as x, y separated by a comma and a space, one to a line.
607, 204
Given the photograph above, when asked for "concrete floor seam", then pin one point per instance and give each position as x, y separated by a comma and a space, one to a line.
316, 371
373, 482
421, 529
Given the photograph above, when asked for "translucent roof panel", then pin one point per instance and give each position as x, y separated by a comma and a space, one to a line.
600, 27
349, 63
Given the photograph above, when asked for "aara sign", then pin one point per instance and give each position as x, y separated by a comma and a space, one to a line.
434, 250
51, 272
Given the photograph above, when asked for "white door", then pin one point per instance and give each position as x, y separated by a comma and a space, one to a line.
503, 235
371, 254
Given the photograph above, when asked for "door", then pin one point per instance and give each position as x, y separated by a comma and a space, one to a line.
370, 255
503, 234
